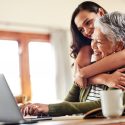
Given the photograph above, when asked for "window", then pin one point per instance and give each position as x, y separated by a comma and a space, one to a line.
42, 71
14, 59
9, 64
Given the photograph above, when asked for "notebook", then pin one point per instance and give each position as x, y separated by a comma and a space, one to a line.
9, 110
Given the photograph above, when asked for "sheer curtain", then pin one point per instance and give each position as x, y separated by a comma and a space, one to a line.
59, 40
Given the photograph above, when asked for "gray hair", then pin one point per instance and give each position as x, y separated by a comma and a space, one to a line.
112, 25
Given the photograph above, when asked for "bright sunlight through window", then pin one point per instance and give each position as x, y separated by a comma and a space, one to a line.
42, 71
9, 64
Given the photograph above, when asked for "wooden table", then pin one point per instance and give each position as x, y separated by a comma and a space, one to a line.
103, 121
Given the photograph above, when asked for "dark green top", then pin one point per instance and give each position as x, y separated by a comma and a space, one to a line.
74, 103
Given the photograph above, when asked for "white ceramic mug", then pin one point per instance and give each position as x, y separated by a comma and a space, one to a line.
112, 103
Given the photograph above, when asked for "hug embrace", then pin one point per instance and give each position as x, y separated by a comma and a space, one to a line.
96, 34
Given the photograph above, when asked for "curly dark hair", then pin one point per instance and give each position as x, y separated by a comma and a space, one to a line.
78, 39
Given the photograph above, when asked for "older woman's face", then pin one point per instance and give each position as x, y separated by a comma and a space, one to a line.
85, 22
101, 45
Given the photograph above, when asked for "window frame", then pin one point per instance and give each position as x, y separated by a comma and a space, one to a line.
23, 40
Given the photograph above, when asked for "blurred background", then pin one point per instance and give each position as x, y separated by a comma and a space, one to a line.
35, 46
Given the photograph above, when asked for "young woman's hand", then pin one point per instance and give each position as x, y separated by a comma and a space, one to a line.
116, 79
34, 109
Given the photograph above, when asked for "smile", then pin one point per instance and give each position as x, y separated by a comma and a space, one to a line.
97, 53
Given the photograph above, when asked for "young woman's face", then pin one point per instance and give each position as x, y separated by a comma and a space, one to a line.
101, 46
85, 22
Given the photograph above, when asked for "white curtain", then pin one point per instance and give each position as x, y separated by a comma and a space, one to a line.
61, 46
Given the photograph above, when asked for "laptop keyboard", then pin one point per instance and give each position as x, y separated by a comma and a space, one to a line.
38, 118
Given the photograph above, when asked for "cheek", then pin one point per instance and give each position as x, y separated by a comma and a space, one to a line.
88, 33
103, 52
106, 50
91, 25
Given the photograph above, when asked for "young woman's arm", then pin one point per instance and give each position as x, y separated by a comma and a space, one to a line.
83, 59
84, 56
115, 80
108, 63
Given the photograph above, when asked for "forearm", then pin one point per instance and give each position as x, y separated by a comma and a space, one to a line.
99, 79
69, 108
104, 65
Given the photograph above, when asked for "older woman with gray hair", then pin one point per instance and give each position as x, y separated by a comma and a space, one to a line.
109, 29
108, 38
112, 25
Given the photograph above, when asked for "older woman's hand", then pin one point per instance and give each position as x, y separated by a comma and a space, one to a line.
117, 79
34, 109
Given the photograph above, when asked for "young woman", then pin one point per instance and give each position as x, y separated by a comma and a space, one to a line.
82, 27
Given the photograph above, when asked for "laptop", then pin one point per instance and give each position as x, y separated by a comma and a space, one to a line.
9, 110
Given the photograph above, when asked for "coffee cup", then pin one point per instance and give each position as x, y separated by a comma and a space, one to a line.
112, 103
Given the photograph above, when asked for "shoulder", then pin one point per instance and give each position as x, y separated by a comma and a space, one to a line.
86, 48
